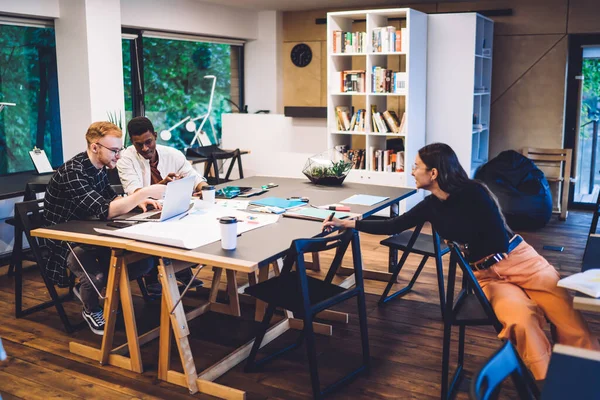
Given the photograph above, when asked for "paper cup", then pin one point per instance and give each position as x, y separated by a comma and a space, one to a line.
208, 194
228, 232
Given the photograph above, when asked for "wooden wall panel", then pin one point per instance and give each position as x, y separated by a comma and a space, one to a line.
530, 17
514, 55
302, 85
530, 114
584, 16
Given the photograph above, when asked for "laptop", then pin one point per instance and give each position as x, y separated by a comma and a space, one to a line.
176, 202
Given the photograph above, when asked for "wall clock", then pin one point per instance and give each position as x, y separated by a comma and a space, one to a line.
301, 55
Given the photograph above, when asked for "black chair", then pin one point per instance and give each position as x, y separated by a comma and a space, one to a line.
29, 215
18, 255
592, 252
504, 363
471, 308
418, 243
306, 296
212, 165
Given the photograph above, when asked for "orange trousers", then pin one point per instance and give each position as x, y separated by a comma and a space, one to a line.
523, 293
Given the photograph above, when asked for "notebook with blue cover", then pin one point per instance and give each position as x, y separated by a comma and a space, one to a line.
278, 202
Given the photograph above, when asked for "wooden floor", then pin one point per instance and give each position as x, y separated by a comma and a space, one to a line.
405, 338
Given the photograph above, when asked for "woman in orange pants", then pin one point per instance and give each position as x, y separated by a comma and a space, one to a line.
519, 283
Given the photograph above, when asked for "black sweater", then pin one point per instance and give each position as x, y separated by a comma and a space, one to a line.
469, 216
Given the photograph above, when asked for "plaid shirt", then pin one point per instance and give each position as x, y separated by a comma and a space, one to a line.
77, 190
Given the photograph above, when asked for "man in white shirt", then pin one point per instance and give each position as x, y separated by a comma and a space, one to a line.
146, 163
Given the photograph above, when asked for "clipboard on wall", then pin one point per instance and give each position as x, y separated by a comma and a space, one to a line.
40, 161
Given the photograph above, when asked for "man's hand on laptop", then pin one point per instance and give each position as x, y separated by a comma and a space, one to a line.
150, 202
173, 176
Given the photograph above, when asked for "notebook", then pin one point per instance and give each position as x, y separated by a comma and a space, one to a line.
587, 282
317, 214
278, 202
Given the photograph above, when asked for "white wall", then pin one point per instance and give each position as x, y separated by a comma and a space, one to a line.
190, 16
279, 145
263, 65
31, 8
90, 67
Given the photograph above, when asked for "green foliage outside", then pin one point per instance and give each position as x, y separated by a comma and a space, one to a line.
28, 77
175, 87
591, 92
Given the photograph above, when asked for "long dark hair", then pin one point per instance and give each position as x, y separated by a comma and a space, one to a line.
451, 175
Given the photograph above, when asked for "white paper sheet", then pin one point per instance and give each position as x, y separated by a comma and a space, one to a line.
199, 228
364, 199
40, 160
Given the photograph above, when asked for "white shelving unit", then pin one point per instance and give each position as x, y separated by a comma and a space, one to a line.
459, 80
412, 60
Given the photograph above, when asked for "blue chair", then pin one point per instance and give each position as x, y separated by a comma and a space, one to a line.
306, 296
503, 364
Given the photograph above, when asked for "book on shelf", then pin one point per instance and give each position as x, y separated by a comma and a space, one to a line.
587, 282
343, 117
387, 81
352, 81
388, 39
391, 118
402, 129
349, 42
386, 160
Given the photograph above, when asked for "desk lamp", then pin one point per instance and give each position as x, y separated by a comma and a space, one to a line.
2, 105
190, 126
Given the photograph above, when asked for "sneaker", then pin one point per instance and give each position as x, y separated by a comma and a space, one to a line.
95, 320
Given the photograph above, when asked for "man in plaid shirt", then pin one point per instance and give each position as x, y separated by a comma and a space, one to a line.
79, 190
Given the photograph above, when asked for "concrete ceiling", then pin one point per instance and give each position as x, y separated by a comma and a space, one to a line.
297, 5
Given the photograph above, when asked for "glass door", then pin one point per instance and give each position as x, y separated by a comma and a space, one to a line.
582, 118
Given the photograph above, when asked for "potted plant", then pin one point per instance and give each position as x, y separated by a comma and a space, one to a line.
329, 168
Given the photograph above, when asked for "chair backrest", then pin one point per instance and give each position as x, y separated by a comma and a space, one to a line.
32, 190
504, 363
595, 216
30, 215
470, 286
213, 165
556, 165
339, 242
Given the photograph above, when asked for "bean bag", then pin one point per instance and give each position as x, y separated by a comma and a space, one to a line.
522, 190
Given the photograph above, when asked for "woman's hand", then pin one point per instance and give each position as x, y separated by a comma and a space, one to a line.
150, 202
337, 223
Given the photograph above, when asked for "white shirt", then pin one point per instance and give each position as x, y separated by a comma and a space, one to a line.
134, 170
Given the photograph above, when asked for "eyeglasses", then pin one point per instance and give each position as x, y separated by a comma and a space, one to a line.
416, 167
115, 151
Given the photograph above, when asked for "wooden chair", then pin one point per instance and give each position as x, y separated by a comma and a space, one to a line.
418, 243
306, 296
556, 165
503, 364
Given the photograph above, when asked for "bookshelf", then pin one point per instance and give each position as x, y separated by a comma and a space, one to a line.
403, 51
459, 73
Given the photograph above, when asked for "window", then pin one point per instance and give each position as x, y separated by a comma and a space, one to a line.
174, 84
28, 78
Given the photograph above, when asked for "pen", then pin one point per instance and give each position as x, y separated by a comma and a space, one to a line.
329, 219
183, 216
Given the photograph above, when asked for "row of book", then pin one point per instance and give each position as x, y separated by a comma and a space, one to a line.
349, 42
389, 39
385, 122
388, 121
387, 81
386, 160
353, 81
380, 160
348, 121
